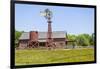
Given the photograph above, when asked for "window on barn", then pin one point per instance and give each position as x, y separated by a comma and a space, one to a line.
42, 44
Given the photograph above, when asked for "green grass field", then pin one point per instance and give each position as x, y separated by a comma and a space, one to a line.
33, 56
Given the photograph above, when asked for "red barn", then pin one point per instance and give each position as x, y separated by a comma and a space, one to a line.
39, 39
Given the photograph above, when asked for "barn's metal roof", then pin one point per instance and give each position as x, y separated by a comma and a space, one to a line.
24, 35
42, 35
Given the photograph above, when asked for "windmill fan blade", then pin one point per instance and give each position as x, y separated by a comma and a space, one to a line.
42, 14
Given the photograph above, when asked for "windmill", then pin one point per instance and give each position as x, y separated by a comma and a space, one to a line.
48, 15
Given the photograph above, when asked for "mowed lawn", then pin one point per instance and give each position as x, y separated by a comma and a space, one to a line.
33, 56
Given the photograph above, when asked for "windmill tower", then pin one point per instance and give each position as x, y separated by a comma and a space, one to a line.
49, 41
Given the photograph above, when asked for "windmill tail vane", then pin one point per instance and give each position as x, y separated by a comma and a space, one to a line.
42, 13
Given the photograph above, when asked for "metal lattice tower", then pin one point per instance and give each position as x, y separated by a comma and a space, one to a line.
48, 15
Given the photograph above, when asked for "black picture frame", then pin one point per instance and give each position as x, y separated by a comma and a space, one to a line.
12, 32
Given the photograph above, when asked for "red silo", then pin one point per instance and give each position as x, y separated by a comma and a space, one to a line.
33, 35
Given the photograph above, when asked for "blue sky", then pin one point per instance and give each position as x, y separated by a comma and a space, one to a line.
73, 20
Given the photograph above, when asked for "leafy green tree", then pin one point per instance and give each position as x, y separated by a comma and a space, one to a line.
82, 40
71, 38
92, 39
17, 36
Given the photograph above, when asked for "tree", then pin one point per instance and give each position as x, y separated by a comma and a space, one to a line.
17, 36
83, 40
71, 38
92, 39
